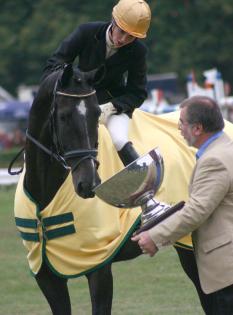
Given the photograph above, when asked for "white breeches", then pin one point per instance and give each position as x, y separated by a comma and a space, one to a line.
118, 127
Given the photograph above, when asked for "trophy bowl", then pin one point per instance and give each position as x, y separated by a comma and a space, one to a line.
135, 184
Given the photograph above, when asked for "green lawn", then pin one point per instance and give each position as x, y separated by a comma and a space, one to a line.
143, 286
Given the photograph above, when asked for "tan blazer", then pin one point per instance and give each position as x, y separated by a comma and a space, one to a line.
208, 214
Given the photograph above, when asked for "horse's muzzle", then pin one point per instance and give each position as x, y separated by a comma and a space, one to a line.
85, 189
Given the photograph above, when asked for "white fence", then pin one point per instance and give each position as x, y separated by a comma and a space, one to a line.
6, 179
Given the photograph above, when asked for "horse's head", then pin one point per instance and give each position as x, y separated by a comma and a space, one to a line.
76, 127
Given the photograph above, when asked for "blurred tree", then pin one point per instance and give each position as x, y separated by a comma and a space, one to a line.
191, 34
184, 35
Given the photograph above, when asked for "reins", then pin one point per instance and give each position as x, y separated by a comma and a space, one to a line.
12, 163
80, 153
52, 154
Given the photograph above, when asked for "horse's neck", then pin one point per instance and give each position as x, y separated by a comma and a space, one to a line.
44, 175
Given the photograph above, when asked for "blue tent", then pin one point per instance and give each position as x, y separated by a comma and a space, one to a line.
14, 110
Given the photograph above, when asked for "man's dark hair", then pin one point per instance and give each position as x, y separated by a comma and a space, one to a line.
205, 111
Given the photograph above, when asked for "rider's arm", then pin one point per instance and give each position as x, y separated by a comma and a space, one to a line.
67, 51
135, 89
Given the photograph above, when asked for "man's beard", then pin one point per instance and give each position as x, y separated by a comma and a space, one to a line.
191, 141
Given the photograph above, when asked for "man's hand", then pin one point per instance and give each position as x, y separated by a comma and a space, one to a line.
107, 110
145, 243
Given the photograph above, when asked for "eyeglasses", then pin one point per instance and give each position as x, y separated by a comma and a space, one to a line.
183, 123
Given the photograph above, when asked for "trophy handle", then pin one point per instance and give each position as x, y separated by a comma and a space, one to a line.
160, 218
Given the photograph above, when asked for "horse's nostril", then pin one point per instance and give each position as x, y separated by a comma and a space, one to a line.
84, 190
92, 194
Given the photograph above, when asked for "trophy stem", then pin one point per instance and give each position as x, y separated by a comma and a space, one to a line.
152, 208
157, 218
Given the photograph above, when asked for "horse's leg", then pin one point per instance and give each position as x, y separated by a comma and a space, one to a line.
55, 290
188, 263
101, 281
101, 290
129, 251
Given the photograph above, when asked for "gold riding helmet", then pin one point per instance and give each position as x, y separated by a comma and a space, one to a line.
133, 17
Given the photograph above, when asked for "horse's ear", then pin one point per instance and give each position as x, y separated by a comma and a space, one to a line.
95, 76
66, 75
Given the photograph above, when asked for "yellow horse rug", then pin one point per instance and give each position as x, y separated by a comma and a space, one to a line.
76, 236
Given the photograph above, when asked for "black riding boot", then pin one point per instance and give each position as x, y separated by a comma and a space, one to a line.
128, 154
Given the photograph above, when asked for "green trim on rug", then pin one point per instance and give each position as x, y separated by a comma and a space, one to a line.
178, 244
28, 195
26, 223
58, 219
130, 232
59, 232
39, 218
30, 237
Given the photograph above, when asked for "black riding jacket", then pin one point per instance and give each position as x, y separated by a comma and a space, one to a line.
124, 82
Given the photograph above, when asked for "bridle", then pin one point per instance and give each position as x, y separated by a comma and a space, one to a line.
82, 154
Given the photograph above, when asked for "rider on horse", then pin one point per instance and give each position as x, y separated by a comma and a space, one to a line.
115, 45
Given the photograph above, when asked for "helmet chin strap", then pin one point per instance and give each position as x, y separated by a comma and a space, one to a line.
111, 49
110, 31
113, 22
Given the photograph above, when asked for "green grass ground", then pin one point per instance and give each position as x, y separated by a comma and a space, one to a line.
144, 286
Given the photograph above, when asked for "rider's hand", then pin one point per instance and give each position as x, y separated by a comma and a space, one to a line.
107, 110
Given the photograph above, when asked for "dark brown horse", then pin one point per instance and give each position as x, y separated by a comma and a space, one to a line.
62, 139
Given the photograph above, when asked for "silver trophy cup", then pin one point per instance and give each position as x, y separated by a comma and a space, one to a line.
136, 185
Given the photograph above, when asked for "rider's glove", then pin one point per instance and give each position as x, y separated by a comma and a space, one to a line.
107, 110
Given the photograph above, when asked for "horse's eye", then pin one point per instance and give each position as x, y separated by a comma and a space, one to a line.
65, 117
79, 80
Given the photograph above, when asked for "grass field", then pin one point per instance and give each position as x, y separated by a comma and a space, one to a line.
144, 286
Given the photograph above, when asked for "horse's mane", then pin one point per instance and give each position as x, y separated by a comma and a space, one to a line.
46, 88
42, 102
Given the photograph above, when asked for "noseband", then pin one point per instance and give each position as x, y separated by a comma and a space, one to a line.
82, 154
